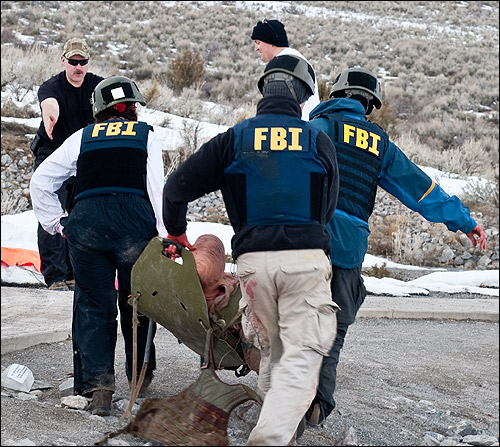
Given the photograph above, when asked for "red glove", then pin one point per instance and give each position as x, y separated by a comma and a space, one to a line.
477, 231
171, 250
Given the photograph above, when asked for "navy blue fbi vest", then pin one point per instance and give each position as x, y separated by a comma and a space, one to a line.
361, 146
112, 159
276, 177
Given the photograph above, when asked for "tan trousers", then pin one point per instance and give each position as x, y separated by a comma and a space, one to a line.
289, 314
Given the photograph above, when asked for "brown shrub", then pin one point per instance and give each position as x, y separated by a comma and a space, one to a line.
185, 70
323, 90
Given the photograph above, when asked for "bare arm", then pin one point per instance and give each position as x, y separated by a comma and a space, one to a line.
50, 114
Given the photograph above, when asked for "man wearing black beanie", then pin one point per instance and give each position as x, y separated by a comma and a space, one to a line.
271, 31
271, 40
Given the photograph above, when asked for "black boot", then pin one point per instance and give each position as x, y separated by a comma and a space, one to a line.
101, 403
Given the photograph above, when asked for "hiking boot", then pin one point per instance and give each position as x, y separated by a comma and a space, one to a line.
71, 284
313, 416
101, 403
59, 286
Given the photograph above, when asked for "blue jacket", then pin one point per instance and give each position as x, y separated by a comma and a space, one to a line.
390, 169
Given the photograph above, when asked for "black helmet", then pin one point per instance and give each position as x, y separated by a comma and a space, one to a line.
113, 90
292, 65
358, 78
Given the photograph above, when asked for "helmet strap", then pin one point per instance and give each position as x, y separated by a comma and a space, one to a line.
290, 87
282, 77
363, 97
369, 107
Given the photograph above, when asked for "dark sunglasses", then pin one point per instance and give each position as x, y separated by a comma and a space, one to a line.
75, 62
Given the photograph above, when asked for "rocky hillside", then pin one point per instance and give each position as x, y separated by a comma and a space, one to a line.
397, 233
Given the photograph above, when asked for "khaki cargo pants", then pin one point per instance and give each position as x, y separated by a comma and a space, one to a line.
289, 314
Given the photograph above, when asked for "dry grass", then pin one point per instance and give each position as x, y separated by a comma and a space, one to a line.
440, 81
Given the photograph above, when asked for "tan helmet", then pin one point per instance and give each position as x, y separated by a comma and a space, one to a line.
292, 65
113, 90
358, 78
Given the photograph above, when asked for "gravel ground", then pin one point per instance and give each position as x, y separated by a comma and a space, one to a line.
397, 380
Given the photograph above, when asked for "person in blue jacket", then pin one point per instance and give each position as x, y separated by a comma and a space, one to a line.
367, 159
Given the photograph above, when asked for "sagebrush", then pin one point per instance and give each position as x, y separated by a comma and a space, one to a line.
440, 81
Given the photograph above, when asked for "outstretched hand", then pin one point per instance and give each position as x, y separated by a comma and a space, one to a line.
49, 125
171, 250
479, 232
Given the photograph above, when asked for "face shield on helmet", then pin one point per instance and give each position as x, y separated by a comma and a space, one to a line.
357, 78
114, 90
288, 65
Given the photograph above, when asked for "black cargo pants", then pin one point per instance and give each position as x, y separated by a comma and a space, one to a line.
349, 292
106, 235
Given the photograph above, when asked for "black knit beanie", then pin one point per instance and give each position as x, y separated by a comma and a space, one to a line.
279, 87
270, 31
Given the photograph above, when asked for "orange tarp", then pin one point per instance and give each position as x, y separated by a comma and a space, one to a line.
20, 257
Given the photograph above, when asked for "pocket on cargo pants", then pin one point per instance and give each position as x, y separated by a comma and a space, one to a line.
255, 334
317, 323
320, 325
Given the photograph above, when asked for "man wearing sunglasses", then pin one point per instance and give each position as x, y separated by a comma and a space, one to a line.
271, 40
65, 106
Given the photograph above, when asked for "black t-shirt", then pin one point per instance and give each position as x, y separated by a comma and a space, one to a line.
75, 110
